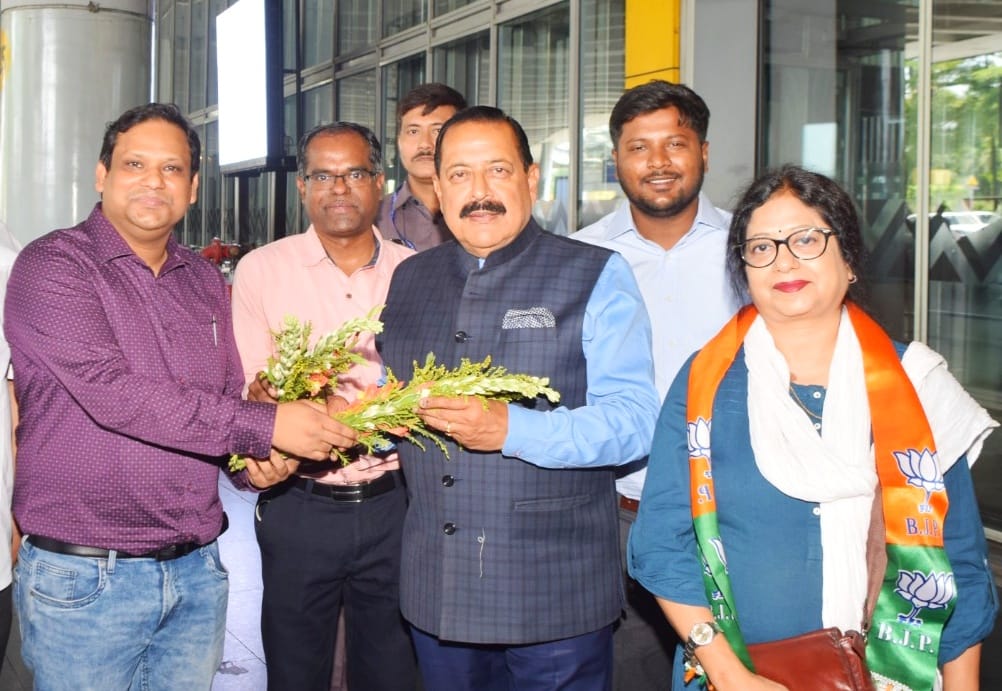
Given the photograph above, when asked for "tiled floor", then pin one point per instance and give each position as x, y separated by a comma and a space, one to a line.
243, 658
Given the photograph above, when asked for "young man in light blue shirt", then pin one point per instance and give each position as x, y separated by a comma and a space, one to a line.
675, 241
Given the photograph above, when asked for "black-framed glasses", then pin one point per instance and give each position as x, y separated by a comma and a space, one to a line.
356, 177
803, 243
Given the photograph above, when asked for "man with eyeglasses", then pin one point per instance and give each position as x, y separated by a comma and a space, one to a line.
410, 215
674, 240
330, 535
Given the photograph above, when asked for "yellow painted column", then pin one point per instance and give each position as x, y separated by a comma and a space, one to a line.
652, 40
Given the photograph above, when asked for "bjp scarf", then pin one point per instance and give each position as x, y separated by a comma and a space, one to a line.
918, 592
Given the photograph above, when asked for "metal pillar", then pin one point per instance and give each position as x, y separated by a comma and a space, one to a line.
68, 69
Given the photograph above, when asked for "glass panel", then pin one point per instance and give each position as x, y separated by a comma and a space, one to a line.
835, 83
443, 6
165, 38
318, 106
210, 188
965, 280
533, 55
291, 137
198, 55
182, 32
603, 70
401, 14
215, 7
193, 225
356, 99
254, 231
318, 32
356, 22
465, 66
289, 31
398, 79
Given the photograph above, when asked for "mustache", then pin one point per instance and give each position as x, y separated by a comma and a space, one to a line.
486, 205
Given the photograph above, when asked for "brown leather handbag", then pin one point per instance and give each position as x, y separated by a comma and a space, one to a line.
828, 659
822, 660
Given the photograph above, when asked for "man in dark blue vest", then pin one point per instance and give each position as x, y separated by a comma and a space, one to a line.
511, 576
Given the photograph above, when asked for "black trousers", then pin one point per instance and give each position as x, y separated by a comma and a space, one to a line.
644, 642
318, 556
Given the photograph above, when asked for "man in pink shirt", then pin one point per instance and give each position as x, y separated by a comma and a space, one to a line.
330, 535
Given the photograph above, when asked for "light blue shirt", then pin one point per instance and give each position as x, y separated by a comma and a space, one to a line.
617, 423
686, 291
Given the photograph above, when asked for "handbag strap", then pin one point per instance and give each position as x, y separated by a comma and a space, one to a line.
876, 558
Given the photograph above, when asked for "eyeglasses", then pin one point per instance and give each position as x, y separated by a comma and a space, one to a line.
356, 177
803, 243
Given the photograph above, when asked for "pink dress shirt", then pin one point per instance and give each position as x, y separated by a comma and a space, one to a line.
294, 275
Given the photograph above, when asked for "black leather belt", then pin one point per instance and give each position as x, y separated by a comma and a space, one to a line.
163, 554
350, 493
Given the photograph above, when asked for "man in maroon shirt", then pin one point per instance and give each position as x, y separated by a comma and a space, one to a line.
129, 383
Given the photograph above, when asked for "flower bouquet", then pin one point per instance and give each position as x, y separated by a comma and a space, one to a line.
298, 371
391, 409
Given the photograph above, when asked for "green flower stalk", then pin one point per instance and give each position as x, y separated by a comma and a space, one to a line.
298, 371
391, 409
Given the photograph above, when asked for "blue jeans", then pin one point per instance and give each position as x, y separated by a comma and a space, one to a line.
121, 623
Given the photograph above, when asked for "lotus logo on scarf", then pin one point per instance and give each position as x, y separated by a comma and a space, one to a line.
922, 471
718, 547
923, 591
698, 433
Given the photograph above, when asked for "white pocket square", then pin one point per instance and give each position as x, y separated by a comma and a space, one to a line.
532, 318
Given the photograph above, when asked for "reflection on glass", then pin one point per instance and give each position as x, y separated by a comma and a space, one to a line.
401, 14
356, 99
533, 56
215, 7
965, 266
834, 102
317, 106
318, 32
465, 66
210, 189
356, 25
254, 224
443, 6
603, 71
198, 56
289, 35
165, 60
182, 42
192, 228
398, 79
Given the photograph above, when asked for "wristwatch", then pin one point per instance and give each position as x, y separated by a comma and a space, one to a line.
701, 633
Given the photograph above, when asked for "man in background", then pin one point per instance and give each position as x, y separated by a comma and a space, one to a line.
410, 216
128, 384
675, 241
330, 535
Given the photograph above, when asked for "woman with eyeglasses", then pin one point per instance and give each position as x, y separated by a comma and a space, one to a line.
783, 438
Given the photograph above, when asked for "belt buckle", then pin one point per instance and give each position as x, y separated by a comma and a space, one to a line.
166, 553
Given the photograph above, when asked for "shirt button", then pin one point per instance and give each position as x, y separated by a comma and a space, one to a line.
817, 425
448, 480
347, 296
462, 337
449, 528
816, 511
816, 394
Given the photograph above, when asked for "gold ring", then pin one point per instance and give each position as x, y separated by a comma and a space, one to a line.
448, 428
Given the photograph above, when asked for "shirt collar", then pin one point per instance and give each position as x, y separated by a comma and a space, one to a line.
314, 252
708, 217
110, 245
